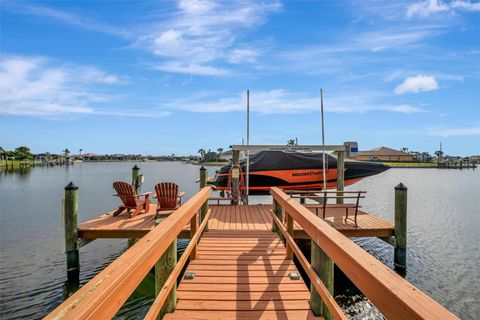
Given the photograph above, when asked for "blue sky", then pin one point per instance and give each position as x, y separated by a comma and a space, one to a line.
162, 77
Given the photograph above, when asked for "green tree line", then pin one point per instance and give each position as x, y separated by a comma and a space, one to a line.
20, 153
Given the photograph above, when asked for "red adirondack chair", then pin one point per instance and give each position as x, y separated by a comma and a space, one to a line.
130, 200
168, 196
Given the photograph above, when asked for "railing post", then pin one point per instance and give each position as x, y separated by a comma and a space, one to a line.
70, 218
235, 179
136, 179
163, 269
193, 230
302, 199
203, 184
400, 252
277, 210
289, 222
340, 175
323, 266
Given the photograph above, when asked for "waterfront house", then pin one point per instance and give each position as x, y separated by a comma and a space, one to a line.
384, 154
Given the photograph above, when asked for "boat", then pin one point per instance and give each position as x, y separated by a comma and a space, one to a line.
294, 170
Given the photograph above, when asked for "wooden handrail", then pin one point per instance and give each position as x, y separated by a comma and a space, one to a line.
105, 294
321, 191
329, 301
172, 278
395, 297
327, 197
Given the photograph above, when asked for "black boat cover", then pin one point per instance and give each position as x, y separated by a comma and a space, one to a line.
280, 160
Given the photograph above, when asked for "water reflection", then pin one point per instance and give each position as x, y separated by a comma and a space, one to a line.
443, 255
22, 172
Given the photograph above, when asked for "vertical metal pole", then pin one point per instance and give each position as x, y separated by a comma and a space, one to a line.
247, 180
70, 217
340, 175
203, 184
323, 144
135, 179
400, 251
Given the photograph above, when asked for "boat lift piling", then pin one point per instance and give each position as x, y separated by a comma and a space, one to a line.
203, 184
235, 177
340, 175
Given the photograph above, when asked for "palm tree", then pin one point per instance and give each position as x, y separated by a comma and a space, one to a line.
66, 152
23, 153
404, 149
202, 153
290, 142
439, 154
220, 150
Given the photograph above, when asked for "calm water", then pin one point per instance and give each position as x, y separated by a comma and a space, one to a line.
443, 237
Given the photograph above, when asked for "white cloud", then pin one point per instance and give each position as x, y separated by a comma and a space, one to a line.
280, 101
405, 108
90, 74
389, 38
36, 86
191, 68
455, 132
466, 5
430, 7
202, 35
196, 6
236, 56
355, 51
418, 83
69, 18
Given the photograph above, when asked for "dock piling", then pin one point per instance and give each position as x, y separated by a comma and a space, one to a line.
340, 175
136, 178
70, 218
203, 184
400, 251
235, 177
323, 266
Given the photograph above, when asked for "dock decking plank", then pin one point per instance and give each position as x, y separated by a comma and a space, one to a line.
241, 315
233, 218
241, 274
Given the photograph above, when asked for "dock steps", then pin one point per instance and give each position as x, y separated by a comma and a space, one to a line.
241, 274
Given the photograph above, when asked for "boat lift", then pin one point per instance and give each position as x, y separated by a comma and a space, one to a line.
349, 149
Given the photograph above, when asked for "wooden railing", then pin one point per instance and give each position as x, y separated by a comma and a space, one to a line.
106, 293
395, 297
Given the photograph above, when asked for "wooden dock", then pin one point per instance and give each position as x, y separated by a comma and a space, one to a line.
236, 267
122, 226
227, 217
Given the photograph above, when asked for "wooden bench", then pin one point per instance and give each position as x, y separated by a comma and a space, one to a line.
326, 195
